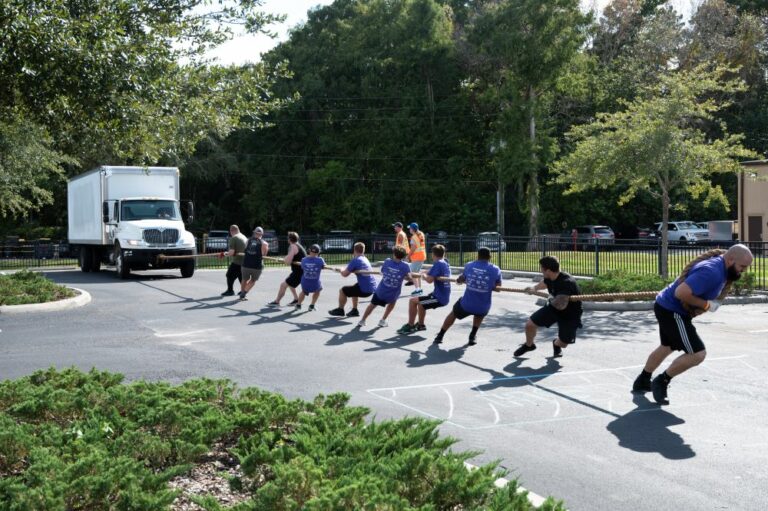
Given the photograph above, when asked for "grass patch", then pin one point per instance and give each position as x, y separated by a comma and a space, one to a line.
618, 281
74, 440
29, 287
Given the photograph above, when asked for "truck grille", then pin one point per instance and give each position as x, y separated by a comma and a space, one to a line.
161, 237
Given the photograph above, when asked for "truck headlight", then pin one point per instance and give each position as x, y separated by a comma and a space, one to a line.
134, 243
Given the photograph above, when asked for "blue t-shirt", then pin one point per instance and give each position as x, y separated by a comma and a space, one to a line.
442, 290
367, 283
392, 275
310, 279
706, 280
481, 278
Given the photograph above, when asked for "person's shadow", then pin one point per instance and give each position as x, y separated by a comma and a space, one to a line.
434, 355
646, 429
516, 376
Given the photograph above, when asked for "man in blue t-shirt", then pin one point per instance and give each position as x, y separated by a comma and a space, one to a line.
440, 275
482, 278
311, 267
702, 285
364, 287
393, 272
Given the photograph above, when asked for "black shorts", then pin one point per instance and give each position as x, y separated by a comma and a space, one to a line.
354, 292
460, 313
378, 301
233, 272
566, 326
677, 332
429, 302
294, 279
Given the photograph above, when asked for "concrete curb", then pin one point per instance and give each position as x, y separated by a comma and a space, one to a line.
82, 298
535, 499
648, 305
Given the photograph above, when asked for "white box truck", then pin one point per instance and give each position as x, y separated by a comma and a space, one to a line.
128, 217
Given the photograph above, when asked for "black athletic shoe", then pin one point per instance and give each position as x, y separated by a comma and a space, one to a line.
642, 384
338, 311
557, 351
523, 349
438, 339
659, 388
311, 308
295, 302
420, 327
228, 293
242, 296
353, 313
471, 342
298, 306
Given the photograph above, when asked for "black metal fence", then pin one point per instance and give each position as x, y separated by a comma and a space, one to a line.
579, 257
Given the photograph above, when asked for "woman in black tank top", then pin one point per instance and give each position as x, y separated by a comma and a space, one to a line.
294, 278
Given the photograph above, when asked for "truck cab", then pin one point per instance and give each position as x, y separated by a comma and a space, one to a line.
130, 217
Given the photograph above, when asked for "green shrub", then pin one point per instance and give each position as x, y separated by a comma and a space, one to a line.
745, 285
29, 287
86, 441
620, 281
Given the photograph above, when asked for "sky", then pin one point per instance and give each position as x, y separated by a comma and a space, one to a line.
249, 48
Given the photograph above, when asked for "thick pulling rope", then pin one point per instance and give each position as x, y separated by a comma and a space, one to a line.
602, 297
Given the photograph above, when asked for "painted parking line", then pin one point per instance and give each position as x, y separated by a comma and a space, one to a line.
518, 401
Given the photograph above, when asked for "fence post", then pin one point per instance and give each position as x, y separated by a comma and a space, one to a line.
658, 255
543, 245
461, 250
597, 256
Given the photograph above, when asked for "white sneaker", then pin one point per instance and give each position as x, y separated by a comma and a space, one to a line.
361, 324
383, 323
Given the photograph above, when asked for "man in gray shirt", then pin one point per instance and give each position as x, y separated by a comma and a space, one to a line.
236, 245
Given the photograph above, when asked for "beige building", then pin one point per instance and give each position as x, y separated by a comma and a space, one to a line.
753, 201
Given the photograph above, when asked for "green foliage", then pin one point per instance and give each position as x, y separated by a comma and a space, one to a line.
622, 281
29, 166
657, 144
745, 285
30, 287
123, 81
74, 440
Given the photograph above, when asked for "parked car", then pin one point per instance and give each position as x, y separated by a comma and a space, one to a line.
217, 241
684, 231
338, 241
588, 236
270, 237
491, 240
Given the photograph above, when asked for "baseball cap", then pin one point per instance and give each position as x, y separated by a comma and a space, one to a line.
414, 226
259, 230
315, 248
398, 224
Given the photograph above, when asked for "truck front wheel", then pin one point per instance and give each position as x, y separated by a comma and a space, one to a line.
187, 269
121, 268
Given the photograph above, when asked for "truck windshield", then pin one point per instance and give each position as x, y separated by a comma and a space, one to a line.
150, 209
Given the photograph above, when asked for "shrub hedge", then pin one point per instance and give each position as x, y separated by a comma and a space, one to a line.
71, 440
30, 287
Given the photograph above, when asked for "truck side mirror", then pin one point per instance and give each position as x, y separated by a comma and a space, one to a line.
189, 213
105, 212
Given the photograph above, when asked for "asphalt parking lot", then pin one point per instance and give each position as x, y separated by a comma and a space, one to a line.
566, 427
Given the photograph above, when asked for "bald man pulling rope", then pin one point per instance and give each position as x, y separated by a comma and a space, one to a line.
701, 287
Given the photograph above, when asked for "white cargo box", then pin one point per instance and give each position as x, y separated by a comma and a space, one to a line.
87, 192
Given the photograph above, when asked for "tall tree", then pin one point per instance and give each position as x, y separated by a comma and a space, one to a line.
658, 143
526, 45
126, 81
